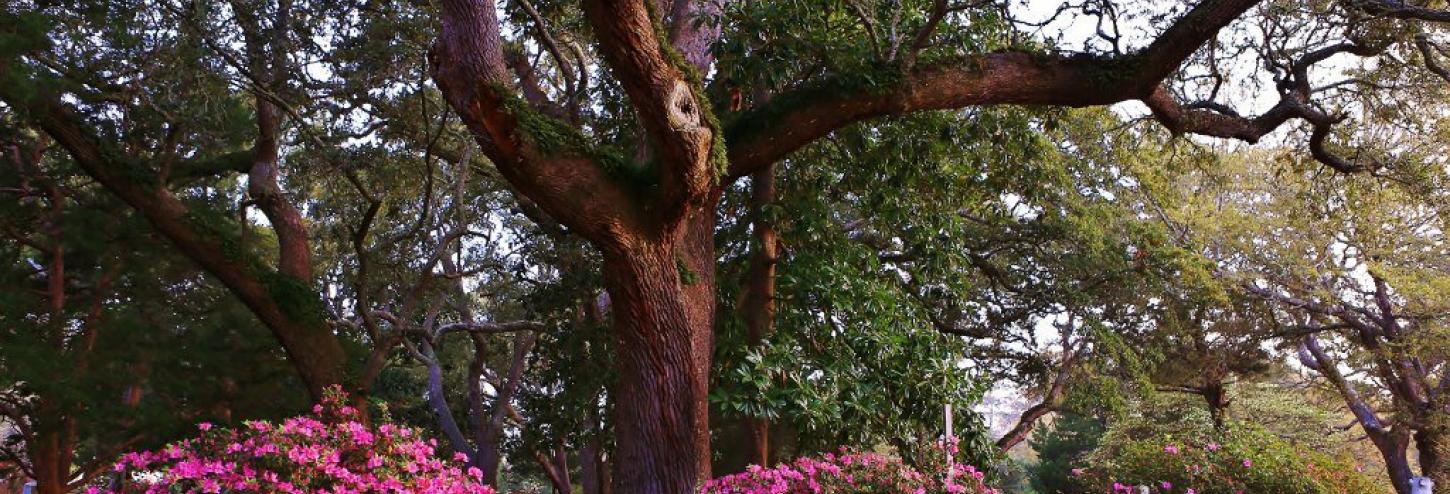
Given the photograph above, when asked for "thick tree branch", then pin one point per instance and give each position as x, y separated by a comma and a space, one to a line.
664, 98
546, 38
923, 36
693, 29
1314, 357
1398, 9
798, 117
1313, 307
1432, 59
545, 159
1210, 119
233, 162
1056, 394
438, 399
489, 327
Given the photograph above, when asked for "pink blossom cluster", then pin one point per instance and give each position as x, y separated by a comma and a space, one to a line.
330, 451
849, 472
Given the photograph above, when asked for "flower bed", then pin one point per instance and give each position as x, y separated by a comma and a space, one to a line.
328, 451
850, 472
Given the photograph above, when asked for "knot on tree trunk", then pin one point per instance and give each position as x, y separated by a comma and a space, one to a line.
683, 110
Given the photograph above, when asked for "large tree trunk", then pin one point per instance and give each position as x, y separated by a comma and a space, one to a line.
317, 356
662, 304
758, 306
698, 254
49, 467
52, 449
49, 471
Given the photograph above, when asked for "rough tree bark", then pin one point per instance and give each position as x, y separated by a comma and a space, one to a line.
698, 254
657, 401
51, 449
593, 470
659, 253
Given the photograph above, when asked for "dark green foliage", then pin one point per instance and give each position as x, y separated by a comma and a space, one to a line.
1061, 447
142, 346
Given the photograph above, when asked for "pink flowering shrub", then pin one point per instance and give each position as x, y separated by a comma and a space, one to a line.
1244, 462
850, 472
328, 451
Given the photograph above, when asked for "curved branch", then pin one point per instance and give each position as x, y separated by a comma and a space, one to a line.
1216, 120
438, 401
1314, 357
546, 38
313, 350
798, 117
1056, 395
1397, 9
489, 327
545, 159
923, 36
1432, 61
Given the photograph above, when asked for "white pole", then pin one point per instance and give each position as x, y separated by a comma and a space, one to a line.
949, 421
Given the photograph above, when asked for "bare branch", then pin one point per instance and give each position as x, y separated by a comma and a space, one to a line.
1432, 59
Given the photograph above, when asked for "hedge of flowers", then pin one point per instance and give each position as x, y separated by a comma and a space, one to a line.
1244, 462
851, 472
329, 451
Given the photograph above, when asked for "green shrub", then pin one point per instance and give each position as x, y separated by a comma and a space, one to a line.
1240, 461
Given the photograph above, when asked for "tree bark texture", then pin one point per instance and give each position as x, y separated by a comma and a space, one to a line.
659, 406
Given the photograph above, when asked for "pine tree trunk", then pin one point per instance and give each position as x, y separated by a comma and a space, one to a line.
49, 450
758, 306
49, 467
